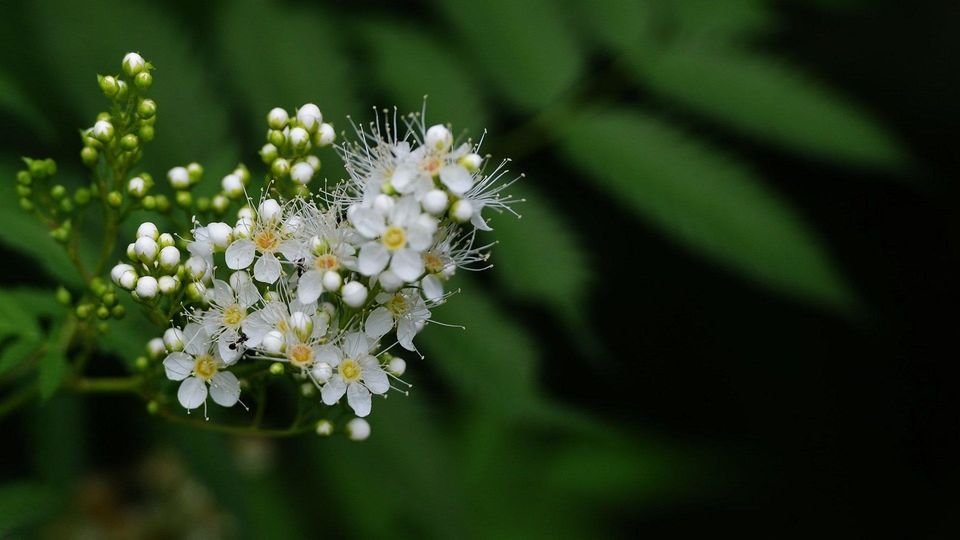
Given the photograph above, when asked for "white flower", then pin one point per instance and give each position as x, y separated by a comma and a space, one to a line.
225, 321
199, 366
405, 309
358, 373
266, 238
398, 238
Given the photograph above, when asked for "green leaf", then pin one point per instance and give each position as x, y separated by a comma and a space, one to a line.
771, 102
492, 361
524, 48
53, 364
24, 504
705, 200
18, 321
410, 64
18, 104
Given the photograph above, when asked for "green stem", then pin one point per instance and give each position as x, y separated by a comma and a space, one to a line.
108, 385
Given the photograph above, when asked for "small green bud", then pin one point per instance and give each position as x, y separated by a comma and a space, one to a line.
60, 234
26, 205
153, 407
194, 172
184, 199
58, 192
141, 363
115, 199
280, 167
83, 311
220, 204
146, 133
24, 191
82, 196
38, 169
103, 131
51, 166
149, 202
269, 153
133, 64
98, 287
24, 178
108, 85
103, 312
143, 80
109, 299
276, 368
89, 155
66, 205
163, 203
122, 90
147, 108
129, 141
63, 296
276, 138
118, 312
203, 204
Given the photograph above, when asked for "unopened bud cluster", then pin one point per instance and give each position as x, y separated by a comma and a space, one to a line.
291, 139
153, 266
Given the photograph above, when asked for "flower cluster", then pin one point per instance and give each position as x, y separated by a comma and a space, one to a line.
322, 287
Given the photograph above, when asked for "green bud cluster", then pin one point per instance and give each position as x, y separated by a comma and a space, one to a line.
290, 142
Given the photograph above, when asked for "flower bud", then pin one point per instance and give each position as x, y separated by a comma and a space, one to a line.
115, 199
322, 372
309, 117
461, 211
179, 178
146, 250
195, 268
169, 259
165, 239
471, 161
123, 275
276, 137
108, 85
269, 210
273, 342
232, 185
129, 142
156, 348
324, 428
143, 80
301, 173
299, 139
137, 187
332, 281
435, 201
221, 234
103, 131
195, 172
397, 366
168, 284
146, 133
358, 429
148, 229
438, 138
301, 324
220, 204
354, 294
277, 118
147, 108
280, 167
147, 287
173, 339
325, 135
133, 63
89, 155
268, 153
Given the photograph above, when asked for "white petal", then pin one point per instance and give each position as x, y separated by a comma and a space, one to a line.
267, 269
456, 178
373, 258
406, 331
330, 354
195, 339
379, 322
178, 365
310, 286
192, 392
228, 338
407, 264
358, 397
333, 390
432, 287
374, 377
368, 222
356, 345
240, 254
224, 388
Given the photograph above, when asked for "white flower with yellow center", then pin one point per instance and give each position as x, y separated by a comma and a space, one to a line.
398, 233
267, 237
358, 373
405, 309
226, 321
199, 365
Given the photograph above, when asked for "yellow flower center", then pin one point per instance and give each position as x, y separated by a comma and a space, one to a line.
350, 370
301, 354
397, 305
233, 315
267, 241
394, 238
431, 165
433, 263
204, 367
327, 261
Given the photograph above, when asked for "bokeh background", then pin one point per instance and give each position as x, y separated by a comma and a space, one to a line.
728, 306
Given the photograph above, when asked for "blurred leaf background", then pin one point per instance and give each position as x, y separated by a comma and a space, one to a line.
712, 316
